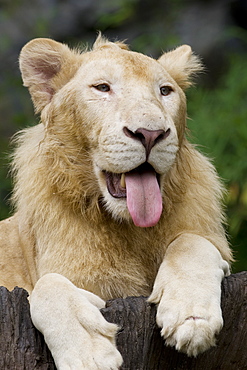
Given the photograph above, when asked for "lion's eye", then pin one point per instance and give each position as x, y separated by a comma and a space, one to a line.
102, 87
165, 90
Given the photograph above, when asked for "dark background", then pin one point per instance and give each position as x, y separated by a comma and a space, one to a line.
217, 107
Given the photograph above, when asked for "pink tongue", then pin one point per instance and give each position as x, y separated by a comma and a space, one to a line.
144, 199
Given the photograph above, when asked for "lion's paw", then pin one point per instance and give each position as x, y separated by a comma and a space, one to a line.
191, 334
75, 331
92, 352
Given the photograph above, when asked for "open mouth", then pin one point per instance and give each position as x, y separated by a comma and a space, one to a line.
141, 188
116, 182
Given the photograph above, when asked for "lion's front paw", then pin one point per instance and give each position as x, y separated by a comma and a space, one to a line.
189, 333
92, 351
74, 329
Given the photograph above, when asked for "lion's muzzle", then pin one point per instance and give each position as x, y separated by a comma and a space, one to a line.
148, 138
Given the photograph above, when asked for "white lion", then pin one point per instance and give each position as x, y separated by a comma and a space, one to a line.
111, 201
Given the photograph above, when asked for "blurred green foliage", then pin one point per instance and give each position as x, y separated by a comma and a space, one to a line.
219, 126
116, 13
16, 113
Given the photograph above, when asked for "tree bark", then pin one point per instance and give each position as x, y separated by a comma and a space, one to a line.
139, 341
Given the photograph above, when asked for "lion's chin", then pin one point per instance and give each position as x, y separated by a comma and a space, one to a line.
141, 189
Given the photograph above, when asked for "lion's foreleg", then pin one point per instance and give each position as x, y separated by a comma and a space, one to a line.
76, 333
188, 292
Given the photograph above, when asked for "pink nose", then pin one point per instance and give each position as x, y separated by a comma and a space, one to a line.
148, 138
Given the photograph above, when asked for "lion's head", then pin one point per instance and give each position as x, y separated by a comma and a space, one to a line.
116, 117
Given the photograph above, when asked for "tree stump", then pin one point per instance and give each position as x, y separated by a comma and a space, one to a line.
23, 347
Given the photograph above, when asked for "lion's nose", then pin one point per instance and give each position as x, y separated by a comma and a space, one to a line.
148, 138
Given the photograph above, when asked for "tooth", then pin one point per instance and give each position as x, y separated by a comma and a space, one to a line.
122, 181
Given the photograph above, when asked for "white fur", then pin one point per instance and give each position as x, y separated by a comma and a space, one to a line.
74, 329
188, 297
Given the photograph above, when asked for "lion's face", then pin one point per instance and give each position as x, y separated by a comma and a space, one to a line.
132, 106
130, 114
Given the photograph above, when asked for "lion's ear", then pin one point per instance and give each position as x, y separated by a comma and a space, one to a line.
46, 66
182, 65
